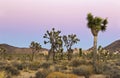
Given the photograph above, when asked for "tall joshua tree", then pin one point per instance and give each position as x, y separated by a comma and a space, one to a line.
69, 41
96, 24
55, 40
35, 47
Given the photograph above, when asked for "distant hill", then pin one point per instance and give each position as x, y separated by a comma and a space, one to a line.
114, 47
16, 50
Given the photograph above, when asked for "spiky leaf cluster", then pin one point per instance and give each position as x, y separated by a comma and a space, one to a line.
54, 39
35, 46
96, 24
70, 40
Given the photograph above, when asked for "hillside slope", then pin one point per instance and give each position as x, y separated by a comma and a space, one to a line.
12, 49
114, 46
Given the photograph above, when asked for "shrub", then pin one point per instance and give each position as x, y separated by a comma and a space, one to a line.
107, 67
42, 74
77, 62
46, 65
112, 71
116, 75
60, 68
100, 67
12, 70
19, 66
118, 63
34, 66
61, 75
2, 65
64, 63
63, 67
83, 70
57, 68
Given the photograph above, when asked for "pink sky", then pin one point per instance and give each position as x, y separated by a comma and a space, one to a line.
31, 18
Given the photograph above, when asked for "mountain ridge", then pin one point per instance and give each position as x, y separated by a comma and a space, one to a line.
114, 46
16, 50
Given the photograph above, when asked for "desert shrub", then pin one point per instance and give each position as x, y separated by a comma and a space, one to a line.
19, 66
2, 65
111, 70
62, 67
100, 67
34, 66
46, 65
77, 62
118, 63
107, 67
114, 73
12, 70
59, 68
83, 70
42, 74
61, 75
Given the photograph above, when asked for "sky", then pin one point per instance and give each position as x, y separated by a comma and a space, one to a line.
23, 21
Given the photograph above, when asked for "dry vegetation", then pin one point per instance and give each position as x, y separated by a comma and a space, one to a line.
79, 67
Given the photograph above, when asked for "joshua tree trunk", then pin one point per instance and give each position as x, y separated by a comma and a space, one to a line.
33, 53
70, 52
51, 55
94, 52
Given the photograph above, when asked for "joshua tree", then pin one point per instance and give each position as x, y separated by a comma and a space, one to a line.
80, 52
55, 40
3, 52
69, 41
96, 24
35, 47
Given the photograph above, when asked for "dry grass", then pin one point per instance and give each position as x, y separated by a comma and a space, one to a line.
61, 75
2, 74
98, 76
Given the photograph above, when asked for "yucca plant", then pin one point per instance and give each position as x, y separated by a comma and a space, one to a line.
69, 41
35, 47
56, 42
96, 24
